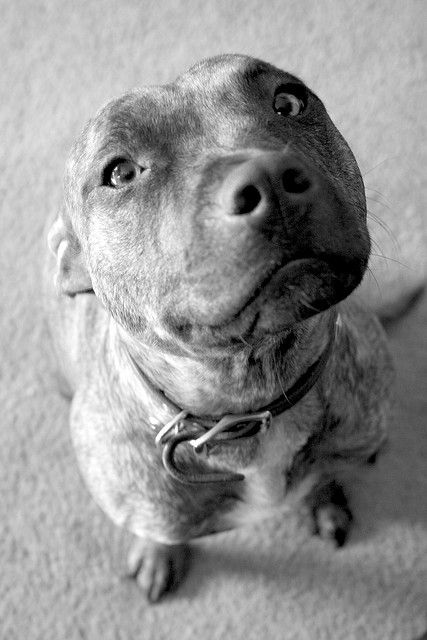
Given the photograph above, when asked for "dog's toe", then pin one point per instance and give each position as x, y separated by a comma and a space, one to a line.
331, 514
157, 568
333, 522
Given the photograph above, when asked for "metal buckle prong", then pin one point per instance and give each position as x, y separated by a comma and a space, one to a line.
172, 424
228, 421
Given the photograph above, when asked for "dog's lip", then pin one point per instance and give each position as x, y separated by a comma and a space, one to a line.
272, 281
248, 322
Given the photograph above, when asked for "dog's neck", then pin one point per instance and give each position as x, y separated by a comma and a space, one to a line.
235, 383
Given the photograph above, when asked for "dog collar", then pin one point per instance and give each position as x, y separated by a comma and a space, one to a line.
203, 434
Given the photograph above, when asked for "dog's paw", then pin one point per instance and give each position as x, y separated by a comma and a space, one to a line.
157, 568
332, 523
331, 514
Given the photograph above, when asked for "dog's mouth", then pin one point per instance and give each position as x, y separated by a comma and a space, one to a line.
256, 306
289, 293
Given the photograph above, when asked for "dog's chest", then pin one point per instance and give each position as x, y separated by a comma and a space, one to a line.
266, 488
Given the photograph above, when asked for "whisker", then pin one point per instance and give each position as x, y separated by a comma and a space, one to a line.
375, 280
377, 245
382, 204
379, 221
375, 218
402, 264
378, 165
386, 200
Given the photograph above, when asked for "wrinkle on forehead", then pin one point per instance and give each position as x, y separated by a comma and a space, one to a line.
144, 120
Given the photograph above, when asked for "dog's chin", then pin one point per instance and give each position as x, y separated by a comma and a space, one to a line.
298, 290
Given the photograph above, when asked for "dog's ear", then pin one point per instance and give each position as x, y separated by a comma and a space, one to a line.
71, 275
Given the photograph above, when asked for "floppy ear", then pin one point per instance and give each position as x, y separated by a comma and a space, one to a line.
71, 275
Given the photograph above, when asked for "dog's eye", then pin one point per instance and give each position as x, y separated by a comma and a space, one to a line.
120, 172
290, 100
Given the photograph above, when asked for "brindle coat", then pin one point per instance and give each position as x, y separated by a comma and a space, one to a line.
219, 263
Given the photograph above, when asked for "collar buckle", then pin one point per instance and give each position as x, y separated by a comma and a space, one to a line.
176, 424
229, 428
204, 433
243, 425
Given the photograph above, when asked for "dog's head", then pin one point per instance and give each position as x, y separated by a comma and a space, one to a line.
222, 207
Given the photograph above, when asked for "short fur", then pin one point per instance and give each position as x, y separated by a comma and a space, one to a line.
222, 311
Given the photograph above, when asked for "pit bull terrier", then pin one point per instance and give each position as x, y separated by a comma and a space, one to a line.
212, 231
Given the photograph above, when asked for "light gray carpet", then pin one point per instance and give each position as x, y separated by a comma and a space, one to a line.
60, 557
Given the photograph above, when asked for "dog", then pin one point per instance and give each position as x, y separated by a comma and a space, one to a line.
198, 290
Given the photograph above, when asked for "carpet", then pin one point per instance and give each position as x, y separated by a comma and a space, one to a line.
61, 559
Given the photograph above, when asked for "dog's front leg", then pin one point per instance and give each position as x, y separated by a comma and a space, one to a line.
157, 567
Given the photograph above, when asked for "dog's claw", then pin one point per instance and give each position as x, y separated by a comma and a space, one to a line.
157, 568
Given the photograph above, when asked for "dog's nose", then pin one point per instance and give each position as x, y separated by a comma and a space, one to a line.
262, 187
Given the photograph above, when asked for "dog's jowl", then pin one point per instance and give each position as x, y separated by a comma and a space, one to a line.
200, 270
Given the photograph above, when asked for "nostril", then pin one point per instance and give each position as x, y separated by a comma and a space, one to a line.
247, 200
294, 181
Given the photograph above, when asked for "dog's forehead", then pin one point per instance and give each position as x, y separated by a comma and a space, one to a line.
157, 115
230, 69
142, 113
